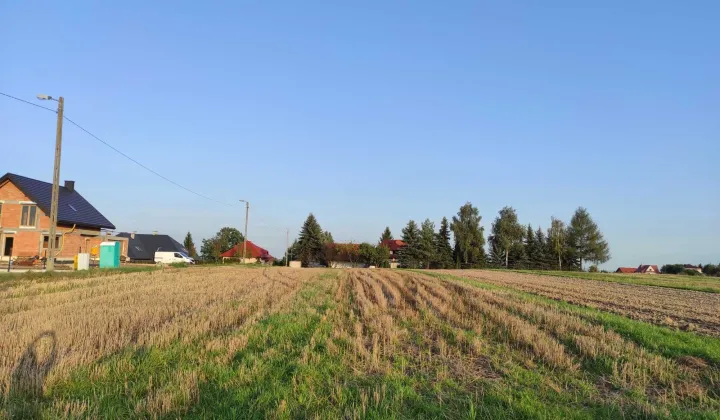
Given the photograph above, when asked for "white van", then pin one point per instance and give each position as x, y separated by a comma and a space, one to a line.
172, 257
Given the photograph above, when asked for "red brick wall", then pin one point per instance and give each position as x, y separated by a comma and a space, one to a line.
27, 243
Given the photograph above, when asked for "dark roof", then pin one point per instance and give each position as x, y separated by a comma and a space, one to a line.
144, 246
73, 209
252, 249
626, 270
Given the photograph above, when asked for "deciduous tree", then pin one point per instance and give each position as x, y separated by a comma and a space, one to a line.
223, 241
469, 237
557, 239
585, 239
507, 232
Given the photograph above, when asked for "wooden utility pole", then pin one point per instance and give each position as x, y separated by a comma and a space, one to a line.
287, 248
50, 266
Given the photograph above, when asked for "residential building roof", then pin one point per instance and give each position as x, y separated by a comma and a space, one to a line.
253, 251
73, 209
626, 270
393, 244
644, 268
143, 246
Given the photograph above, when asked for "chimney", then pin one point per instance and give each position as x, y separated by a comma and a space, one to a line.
70, 185
132, 235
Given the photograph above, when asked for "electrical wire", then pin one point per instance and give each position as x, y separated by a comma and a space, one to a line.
121, 153
29, 103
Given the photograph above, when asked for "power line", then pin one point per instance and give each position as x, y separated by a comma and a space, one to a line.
29, 103
141, 165
119, 152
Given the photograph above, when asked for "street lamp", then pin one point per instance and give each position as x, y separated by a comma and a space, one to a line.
50, 266
247, 212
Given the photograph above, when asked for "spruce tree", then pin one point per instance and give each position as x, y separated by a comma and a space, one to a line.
190, 245
410, 254
310, 242
585, 239
507, 232
496, 254
544, 257
469, 237
443, 250
427, 243
386, 235
531, 248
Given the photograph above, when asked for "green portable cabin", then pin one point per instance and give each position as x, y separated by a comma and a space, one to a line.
110, 255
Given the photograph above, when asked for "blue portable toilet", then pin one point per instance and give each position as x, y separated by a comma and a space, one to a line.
109, 254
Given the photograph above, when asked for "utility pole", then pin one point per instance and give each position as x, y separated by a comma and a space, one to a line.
287, 248
247, 213
55, 187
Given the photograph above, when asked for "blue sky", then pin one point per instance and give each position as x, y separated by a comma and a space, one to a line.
372, 113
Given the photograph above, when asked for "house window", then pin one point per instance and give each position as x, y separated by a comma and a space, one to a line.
57, 242
28, 216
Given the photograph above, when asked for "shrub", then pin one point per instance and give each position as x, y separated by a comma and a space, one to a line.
593, 269
688, 272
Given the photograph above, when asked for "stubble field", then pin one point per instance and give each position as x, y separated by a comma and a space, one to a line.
284, 343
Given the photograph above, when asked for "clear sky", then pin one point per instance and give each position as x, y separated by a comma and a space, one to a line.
370, 113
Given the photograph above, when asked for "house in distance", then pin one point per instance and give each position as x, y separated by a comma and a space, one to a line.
143, 246
641, 269
25, 220
254, 253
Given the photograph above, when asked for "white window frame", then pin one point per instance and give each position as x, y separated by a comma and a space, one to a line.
30, 206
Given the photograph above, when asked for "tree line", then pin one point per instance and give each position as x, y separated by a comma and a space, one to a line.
509, 244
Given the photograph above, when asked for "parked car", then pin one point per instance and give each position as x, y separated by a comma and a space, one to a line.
172, 257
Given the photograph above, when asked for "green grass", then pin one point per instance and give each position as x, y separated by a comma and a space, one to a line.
698, 283
662, 340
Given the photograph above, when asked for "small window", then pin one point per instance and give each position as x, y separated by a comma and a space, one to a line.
177, 255
71, 206
46, 239
28, 216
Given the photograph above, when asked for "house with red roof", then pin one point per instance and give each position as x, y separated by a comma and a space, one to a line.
642, 269
394, 245
253, 254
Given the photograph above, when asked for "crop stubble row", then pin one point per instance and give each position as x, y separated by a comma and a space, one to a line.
686, 309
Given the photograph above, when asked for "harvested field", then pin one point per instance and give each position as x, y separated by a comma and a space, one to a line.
284, 343
699, 283
683, 309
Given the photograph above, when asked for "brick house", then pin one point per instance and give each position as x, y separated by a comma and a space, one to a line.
25, 221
